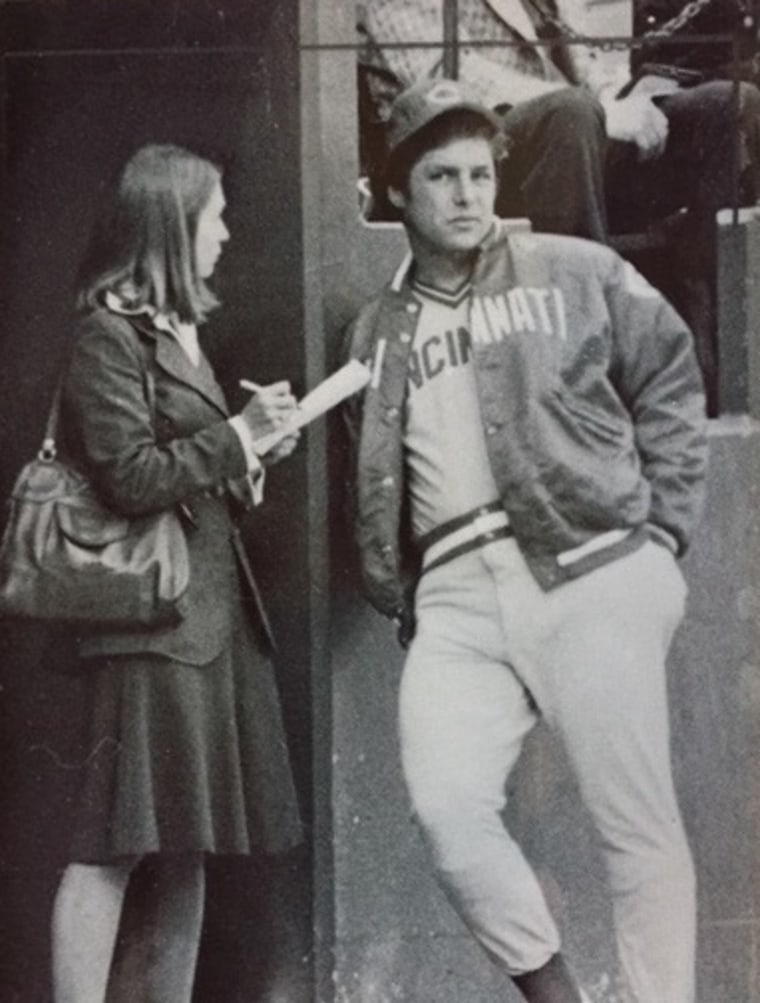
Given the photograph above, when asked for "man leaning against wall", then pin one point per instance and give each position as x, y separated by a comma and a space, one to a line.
530, 458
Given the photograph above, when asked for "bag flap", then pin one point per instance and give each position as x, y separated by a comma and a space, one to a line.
90, 526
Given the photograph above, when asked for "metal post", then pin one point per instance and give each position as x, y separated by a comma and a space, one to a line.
451, 39
736, 139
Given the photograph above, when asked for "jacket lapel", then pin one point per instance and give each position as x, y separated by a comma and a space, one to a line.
172, 358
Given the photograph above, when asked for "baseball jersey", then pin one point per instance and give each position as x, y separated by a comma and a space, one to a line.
446, 457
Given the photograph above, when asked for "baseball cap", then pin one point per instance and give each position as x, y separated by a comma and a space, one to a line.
425, 101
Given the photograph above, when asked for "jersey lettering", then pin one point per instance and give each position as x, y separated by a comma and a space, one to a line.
520, 310
437, 354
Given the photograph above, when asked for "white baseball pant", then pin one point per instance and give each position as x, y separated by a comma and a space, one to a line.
492, 654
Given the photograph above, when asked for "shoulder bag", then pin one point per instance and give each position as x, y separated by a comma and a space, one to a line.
65, 556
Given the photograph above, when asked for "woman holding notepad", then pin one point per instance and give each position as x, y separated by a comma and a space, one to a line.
187, 754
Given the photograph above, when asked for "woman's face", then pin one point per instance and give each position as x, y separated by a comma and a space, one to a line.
211, 233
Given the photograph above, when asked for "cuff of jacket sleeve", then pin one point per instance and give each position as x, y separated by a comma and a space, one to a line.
255, 475
246, 441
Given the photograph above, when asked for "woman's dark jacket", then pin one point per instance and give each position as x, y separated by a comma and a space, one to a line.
150, 429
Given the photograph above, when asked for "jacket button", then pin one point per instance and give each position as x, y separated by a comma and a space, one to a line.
492, 429
412, 307
392, 412
405, 337
387, 482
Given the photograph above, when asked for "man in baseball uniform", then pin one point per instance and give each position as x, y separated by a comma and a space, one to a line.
530, 462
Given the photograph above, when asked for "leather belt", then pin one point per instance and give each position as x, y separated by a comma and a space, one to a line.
464, 533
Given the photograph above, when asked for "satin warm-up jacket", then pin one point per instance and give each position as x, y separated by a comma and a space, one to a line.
591, 401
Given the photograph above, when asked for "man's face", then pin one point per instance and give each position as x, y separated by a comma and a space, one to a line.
448, 206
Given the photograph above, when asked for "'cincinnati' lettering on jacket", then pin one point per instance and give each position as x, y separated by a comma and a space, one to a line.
526, 309
520, 310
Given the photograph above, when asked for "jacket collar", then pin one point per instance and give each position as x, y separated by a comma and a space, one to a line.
400, 283
171, 357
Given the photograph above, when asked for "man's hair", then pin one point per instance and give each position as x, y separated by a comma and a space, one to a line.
143, 244
459, 123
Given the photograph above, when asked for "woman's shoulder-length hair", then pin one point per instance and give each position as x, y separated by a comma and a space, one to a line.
143, 245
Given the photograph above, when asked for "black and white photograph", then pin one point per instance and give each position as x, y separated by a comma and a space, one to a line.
379, 479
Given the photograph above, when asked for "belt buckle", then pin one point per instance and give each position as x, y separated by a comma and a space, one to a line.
481, 523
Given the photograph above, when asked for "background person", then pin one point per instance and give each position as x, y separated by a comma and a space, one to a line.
530, 457
560, 103
187, 750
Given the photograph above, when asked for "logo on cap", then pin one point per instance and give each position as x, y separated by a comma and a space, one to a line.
444, 93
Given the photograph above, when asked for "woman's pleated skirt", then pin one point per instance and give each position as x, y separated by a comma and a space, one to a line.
186, 758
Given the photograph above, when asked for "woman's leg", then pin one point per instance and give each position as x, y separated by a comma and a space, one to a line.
85, 923
157, 952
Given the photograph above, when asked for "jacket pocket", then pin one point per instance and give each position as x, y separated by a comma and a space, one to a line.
597, 421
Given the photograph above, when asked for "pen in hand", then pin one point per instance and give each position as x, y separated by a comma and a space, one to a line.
250, 385
276, 395
269, 411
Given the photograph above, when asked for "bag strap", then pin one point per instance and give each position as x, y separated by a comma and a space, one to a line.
48, 450
149, 381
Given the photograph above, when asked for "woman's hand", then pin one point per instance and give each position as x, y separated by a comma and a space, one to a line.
283, 448
269, 408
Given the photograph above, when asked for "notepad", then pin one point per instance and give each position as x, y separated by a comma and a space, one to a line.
344, 382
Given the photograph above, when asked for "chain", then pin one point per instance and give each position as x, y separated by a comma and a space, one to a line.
675, 24
689, 12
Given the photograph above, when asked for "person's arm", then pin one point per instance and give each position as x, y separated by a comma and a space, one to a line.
390, 23
657, 376
496, 84
110, 420
603, 70
606, 71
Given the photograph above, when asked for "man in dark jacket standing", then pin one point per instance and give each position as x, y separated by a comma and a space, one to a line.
530, 461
